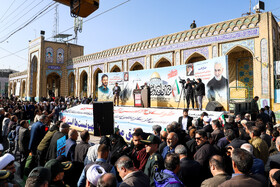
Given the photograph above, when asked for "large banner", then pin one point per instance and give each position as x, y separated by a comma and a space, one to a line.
166, 89
129, 118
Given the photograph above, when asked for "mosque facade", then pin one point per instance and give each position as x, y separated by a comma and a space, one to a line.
252, 44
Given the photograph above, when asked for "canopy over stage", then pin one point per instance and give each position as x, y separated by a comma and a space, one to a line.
128, 118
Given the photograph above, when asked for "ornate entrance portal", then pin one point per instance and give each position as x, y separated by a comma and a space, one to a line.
53, 85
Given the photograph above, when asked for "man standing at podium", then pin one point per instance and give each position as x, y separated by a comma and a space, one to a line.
116, 91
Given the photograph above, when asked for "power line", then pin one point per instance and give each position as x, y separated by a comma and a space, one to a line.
14, 54
5, 28
16, 9
72, 27
27, 23
7, 10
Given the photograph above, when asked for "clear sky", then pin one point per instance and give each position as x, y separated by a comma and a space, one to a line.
134, 21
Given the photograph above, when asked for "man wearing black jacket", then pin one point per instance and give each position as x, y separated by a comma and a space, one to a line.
200, 91
185, 121
189, 93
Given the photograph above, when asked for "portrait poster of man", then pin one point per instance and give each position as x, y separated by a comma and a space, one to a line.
107, 83
126, 76
60, 56
219, 83
214, 74
49, 55
190, 71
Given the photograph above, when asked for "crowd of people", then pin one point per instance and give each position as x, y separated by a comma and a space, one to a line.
37, 149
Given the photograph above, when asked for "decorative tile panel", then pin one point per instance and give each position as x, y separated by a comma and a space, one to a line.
112, 64
59, 72
148, 62
183, 45
167, 56
177, 58
203, 50
264, 60
141, 60
249, 44
214, 51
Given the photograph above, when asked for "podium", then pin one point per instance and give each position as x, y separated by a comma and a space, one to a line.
146, 97
137, 98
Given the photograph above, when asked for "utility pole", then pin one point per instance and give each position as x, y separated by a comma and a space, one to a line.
56, 22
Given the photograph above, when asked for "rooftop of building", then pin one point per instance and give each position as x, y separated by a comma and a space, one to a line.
6, 72
17, 74
241, 23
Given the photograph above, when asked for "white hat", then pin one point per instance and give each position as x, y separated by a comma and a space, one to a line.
206, 119
5, 160
94, 172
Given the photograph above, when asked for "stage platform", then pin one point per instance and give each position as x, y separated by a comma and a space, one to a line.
128, 118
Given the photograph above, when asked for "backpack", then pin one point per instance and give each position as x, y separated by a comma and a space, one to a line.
165, 179
12, 135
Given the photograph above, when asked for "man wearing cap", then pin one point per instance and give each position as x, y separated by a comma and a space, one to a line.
94, 172
57, 172
103, 153
189, 93
116, 91
207, 127
7, 163
155, 161
5, 176
39, 176
52, 151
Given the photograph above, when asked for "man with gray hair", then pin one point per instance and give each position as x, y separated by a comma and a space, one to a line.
274, 160
156, 130
258, 165
129, 175
172, 140
107, 180
189, 172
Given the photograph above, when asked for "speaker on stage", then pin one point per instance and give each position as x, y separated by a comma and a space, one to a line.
214, 106
103, 117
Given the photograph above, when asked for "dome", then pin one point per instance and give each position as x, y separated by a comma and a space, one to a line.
155, 75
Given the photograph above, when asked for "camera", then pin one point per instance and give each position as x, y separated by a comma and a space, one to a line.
182, 81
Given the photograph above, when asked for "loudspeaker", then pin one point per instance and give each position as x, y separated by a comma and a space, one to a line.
81, 8
242, 108
214, 106
103, 117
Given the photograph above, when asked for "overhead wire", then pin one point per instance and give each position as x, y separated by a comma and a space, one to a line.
16, 10
27, 23
5, 28
7, 10
73, 27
